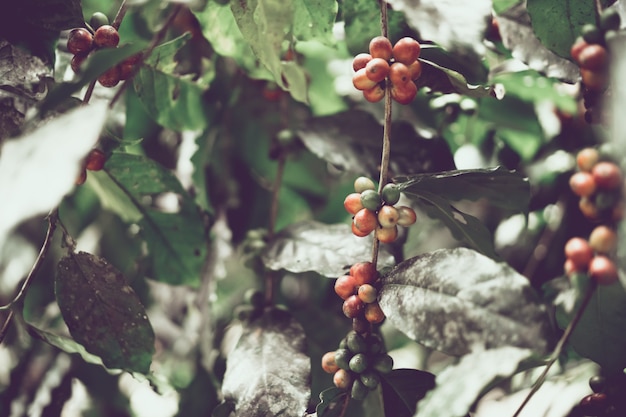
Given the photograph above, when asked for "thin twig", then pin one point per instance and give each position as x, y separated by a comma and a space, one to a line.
559, 346
89, 92
120, 15
345, 405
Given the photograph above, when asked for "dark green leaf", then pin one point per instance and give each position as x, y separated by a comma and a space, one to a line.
458, 386
64, 343
403, 388
325, 249
176, 240
458, 301
331, 402
445, 80
362, 23
499, 186
268, 371
103, 312
470, 65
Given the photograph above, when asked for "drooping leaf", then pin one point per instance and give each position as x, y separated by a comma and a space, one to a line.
268, 371
314, 20
173, 101
331, 402
352, 141
499, 186
403, 388
469, 65
458, 386
130, 185
313, 246
103, 312
46, 163
458, 301
445, 80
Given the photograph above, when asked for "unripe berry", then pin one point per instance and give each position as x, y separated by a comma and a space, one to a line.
610, 20
365, 221
404, 94
377, 69
607, 175
603, 239
363, 183
345, 286
383, 363
380, 47
370, 379
587, 158
407, 216
342, 358
388, 216
342, 379
367, 293
358, 363
328, 363
364, 272
603, 270
352, 203
374, 95
406, 50
361, 81
106, 36
360, 61
353, 307
355, 342
593, 57
387, 234
358, 391
373, 313
390, 194
578, 250
582, 184
371, 200
98, 19
79, 41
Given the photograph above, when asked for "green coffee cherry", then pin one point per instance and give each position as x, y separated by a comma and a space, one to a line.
286, 136
344, 343
356, 343
359, 391
592, 34
609, 20
391, 194
370, 378
370, 199
342, 358
363, 183
358, 363
383, 363
98, 19
374, 344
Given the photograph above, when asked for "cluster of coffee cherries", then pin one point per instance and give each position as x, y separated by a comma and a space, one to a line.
599, 185
590, 53
99, 34
359, 291
375, 212
93, 162
399, 63
607, 399
358, 363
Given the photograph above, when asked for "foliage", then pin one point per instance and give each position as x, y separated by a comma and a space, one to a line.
201, 258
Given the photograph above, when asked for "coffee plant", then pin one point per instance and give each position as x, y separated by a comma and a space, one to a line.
172, 235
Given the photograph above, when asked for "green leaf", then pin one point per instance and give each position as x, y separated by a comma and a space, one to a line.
445, 80
403, 388
173, 101
500, 6
314, 19
268, 371
129, 185
331, 402
459, 301
470, 65
458, 386
501, 187
362, 23
325, 249
103, 313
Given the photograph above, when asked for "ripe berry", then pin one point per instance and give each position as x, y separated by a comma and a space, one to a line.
593, 57
603, 270
373, 313
360, 61
360, 325
361, 81
342, 379
415, 69
79, 41
352, 203
607, 175
95, 160
98, 19
388, 216
110, 78
353, 307
577, 48
377, 69
365, 221
390, 194
371, 200
404, 94
578, 250
406, 50
356, 232
569, 268
345, 286
106, 36
363, 183
593, 80
380, 47
603, 239
271, 92
364, 272
582, 184
588, 208
77, 61
374, 95
367, 293
407, 216
82, 177
328, 363
587, 158
399, 74
387, 234
128, 66
358, 363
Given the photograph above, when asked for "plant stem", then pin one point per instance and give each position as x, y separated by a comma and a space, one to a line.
559, 346
52, 223
120, 15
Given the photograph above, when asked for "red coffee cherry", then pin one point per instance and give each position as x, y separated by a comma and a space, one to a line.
82, 177
360, 61
594, 80
353, 307
352, 203
77, 61
110, 78
361, 81
106, 36
356, 232
374, 95
579, 252
607, 175
365, 221
364, 272
95, 160
342, 379
593, 57
373, 313
603, 270
582, 184
603, 239
399, 74
377, 69
407, 216
587, 158
388, 216
345, 286
367, 293
380, 47
404, 94
406, 50
415, 69
328, 363
577, 48
80, 41
387, 234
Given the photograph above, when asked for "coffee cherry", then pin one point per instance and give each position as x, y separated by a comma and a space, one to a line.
597, 383
593, 57
358, 391
603, 270
399, 74
591, 33
390, 194
406, 50
374, 95
582, 184
377, 69
370, 379
587, 158
607, 175
358, 363
594, 80
371, 200
404, 94
82, 177
106, 36
345, 286
577, 48
95, 160
127, 67
374, 344
365, 221
603, 239
110, 78
593, 404
363, 183
80, 41
356, 232
360, 61
361, 81
328, 363
588, 208
373, 313
342, 379
569, 268
388, 216
367, 293
578, 250
364, 272
415, 69
355, 342
98, 19
342, 358
387, 234
353, 307
407, 216
360, 325
271, 92
77, 61
352, 203
383, 363
609, 20
380, 47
